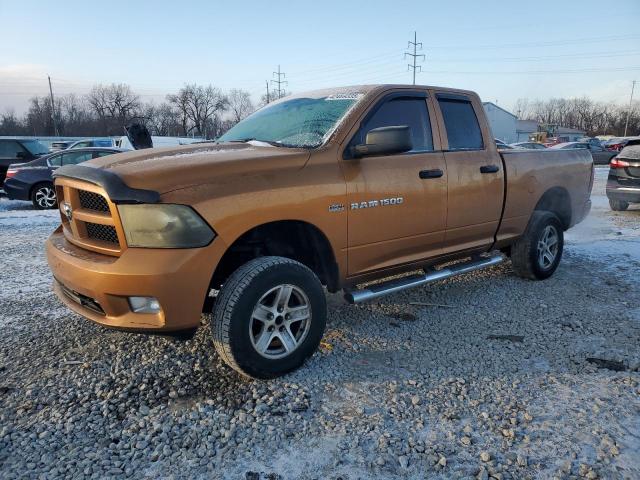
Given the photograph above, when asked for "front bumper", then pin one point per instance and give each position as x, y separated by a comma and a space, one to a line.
98, 286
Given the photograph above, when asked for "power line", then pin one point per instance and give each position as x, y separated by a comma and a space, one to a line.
626, 124
280, 82
414, 55
576, 41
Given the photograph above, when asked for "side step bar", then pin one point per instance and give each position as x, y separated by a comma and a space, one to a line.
392, 286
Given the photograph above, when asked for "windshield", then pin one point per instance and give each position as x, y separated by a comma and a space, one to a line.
299, 122
34, 147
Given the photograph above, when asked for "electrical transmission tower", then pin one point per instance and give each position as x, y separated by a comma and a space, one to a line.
280, 82
414, 55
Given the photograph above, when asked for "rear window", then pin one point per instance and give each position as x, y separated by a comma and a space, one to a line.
35, 147
461, 123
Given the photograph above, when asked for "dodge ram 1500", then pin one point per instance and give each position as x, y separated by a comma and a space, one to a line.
338, 189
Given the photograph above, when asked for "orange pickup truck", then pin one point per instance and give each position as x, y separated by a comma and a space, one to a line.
338, 189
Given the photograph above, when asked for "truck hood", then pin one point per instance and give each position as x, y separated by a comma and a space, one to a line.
167, 169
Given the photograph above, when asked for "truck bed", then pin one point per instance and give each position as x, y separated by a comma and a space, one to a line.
530, 174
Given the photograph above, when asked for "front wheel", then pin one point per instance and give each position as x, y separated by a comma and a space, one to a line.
43, 196
270, 316
537, 253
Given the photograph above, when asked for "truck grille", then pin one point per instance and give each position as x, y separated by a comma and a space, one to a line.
93, 201
89, 219
106, 233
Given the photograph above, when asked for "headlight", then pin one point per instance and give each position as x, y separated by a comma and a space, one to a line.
164, 226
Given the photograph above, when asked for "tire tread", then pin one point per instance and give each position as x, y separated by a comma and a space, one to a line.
229, 296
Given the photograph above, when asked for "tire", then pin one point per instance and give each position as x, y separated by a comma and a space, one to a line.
528, 256
43, 196
255, 290
618, 205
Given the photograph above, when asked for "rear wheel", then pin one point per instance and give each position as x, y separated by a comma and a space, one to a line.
43, 196
269, 317
618, 205
537, 253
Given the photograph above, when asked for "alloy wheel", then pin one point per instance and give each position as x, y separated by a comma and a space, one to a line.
280, 321
46, 197
548, 246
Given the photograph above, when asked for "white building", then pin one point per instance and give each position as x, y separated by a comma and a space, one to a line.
502, 122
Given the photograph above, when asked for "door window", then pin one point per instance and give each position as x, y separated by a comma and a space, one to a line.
461, 123
10, 149
104, 154
408, 111
55, 161
75, 157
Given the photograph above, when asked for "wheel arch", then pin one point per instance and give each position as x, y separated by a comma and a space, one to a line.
295, 239
558, 201
37, 183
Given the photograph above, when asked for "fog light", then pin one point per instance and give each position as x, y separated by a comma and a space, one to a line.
144, 304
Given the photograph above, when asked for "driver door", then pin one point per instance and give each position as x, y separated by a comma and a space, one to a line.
396, 203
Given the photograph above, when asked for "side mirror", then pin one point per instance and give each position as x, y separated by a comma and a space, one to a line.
21, 155
384, 141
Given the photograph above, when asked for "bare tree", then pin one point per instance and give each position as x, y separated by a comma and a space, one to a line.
11, 125
163, 119
115, 105
240, 104
38, 118
200, 106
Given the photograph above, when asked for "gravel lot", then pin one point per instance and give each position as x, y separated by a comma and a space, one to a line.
495, 382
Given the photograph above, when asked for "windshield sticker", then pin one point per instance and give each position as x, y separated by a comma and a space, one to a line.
345, 96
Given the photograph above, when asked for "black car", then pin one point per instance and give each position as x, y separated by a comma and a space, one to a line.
18, 150
33, 181
623, 184
599, 154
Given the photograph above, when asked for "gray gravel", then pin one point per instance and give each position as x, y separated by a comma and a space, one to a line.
397, 390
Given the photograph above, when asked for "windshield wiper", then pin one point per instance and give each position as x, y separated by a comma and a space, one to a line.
270, 142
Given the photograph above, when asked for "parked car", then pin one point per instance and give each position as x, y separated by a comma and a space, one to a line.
336, 187
529, 145
614, 144
93, 142
60, 145
600, 155
501, 145
623, 184
33, 180
18, 150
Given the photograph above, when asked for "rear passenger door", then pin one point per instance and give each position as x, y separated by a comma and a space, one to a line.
474, 168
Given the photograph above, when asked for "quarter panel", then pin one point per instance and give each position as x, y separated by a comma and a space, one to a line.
531, 173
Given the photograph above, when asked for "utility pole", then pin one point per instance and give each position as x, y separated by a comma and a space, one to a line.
414, 55
280, 82
626, 124
53, 108
267, 82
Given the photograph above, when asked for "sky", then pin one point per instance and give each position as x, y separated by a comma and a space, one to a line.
504, 50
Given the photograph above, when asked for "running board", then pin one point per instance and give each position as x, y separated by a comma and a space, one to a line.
392, 286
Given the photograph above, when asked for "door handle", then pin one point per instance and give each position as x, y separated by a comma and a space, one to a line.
435, 173
489, 169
